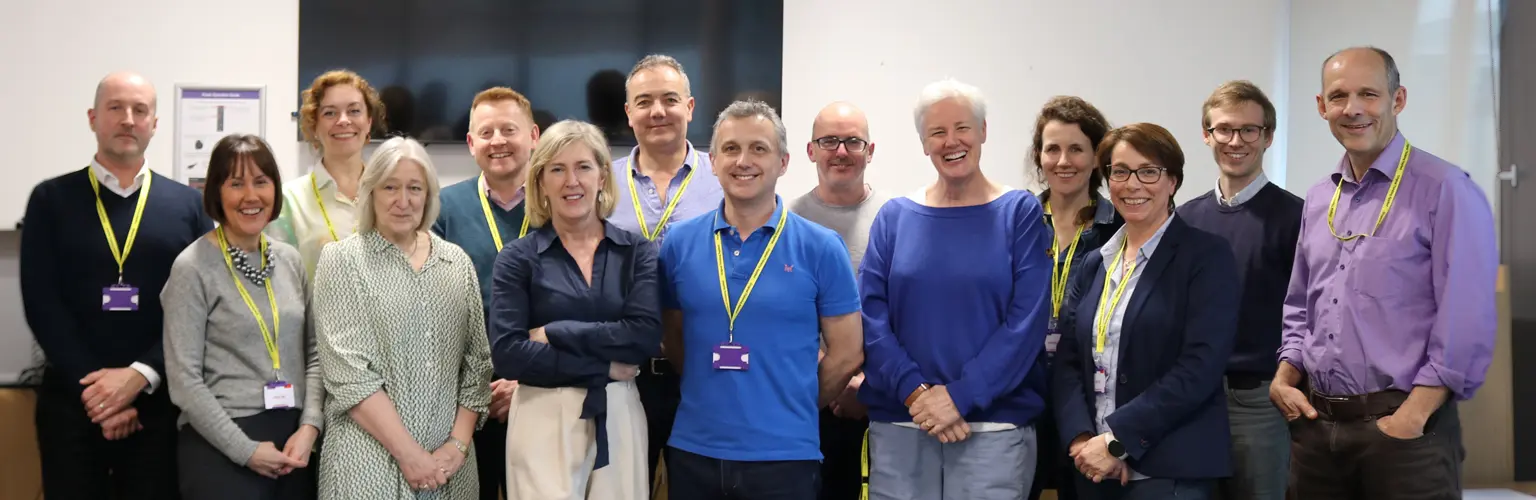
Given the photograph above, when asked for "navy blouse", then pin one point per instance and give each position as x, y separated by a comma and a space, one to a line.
535, 282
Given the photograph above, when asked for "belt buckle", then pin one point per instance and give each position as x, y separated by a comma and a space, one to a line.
654, 370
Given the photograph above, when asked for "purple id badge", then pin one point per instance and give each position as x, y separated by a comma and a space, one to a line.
730, 356
120, 297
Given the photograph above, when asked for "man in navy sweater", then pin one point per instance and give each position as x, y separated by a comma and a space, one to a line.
482, 215
96, 250
1261, 221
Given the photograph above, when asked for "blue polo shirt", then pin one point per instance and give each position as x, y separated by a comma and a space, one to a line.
768, 411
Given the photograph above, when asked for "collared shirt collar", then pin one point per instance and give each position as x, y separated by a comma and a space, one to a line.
517, 197
1243, 195
1112, 247
773, 220
1386, 162
545, 236
322, 176
690, 157
377, 242
108, 179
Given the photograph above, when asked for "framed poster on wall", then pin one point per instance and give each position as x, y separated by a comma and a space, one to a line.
207, 113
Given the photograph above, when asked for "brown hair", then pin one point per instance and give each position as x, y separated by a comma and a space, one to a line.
495, 95
1152, 141
309, 112
1237, 92
1075, 111
225, 160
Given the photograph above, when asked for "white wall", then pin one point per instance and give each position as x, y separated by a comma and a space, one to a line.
1130, 59
1443, 50
1137, 61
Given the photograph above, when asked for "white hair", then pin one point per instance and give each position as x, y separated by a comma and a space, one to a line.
752, 109
949, 88
381, 165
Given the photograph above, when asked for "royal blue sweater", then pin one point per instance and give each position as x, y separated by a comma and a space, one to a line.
957, 297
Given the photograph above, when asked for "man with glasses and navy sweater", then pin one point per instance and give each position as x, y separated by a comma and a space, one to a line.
1261, 222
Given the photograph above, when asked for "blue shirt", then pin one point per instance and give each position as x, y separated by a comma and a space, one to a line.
703, 194
957, 296
616, 317
768, 411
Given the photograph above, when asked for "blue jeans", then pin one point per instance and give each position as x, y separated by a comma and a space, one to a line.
1261, 447
691, 476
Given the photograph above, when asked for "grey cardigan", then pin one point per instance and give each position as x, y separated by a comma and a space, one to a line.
215, 359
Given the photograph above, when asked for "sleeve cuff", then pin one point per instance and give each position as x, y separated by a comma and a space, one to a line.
241, 453
1437, 375
153, 379
1292, 355
963, 396
833, 309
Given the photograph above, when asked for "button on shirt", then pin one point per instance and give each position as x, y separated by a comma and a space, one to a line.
703, 193
1413, 304
1104, 403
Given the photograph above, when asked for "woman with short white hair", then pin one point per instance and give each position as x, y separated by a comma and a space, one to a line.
575, 308
402, 341
955, 309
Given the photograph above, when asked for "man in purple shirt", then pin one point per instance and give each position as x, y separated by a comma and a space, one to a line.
1389, 319
662, 181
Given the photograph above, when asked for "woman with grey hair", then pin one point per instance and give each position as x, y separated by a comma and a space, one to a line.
399, 319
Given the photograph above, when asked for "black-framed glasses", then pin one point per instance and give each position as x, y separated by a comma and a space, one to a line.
1250, 133
1147, 175
831, 142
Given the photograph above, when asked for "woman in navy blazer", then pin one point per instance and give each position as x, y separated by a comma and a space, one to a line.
1136, 387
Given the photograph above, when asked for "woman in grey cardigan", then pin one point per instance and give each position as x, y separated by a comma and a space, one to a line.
247, 381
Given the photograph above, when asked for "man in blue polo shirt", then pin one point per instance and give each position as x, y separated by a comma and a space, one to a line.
747, 424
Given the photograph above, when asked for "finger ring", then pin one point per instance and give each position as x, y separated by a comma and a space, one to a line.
101, 405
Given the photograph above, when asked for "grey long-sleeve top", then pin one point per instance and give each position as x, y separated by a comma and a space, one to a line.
216, 362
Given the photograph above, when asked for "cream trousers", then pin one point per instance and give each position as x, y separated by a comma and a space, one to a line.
551, 449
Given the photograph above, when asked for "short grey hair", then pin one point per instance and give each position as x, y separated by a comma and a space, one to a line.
949, 88
659, 61
381, 165
1394, 80
752, 109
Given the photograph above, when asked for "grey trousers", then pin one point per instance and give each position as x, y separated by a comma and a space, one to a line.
1261, 447
908, 464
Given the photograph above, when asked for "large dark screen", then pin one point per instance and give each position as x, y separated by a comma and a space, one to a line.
428, 58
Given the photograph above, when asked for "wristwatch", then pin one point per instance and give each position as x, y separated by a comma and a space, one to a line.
460, 445
912, 398
1116, 448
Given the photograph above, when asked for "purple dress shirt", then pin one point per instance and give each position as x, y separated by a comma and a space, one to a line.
1412, 305
703, 195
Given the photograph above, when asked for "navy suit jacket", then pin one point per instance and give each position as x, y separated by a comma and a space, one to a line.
1178, 331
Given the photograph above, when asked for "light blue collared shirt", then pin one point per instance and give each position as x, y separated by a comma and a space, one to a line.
703, 194
1245, 194
1104, 402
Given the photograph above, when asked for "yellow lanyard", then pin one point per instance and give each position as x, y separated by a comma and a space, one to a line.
490, 221
316, 184
269, 336
725, 293
106, 224
635, 197
1386, 206
1060, 271
1106, 304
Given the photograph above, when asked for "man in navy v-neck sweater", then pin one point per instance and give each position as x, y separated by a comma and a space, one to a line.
106, 365
1261, 222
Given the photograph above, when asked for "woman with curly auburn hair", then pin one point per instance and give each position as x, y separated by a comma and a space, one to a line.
339, 113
